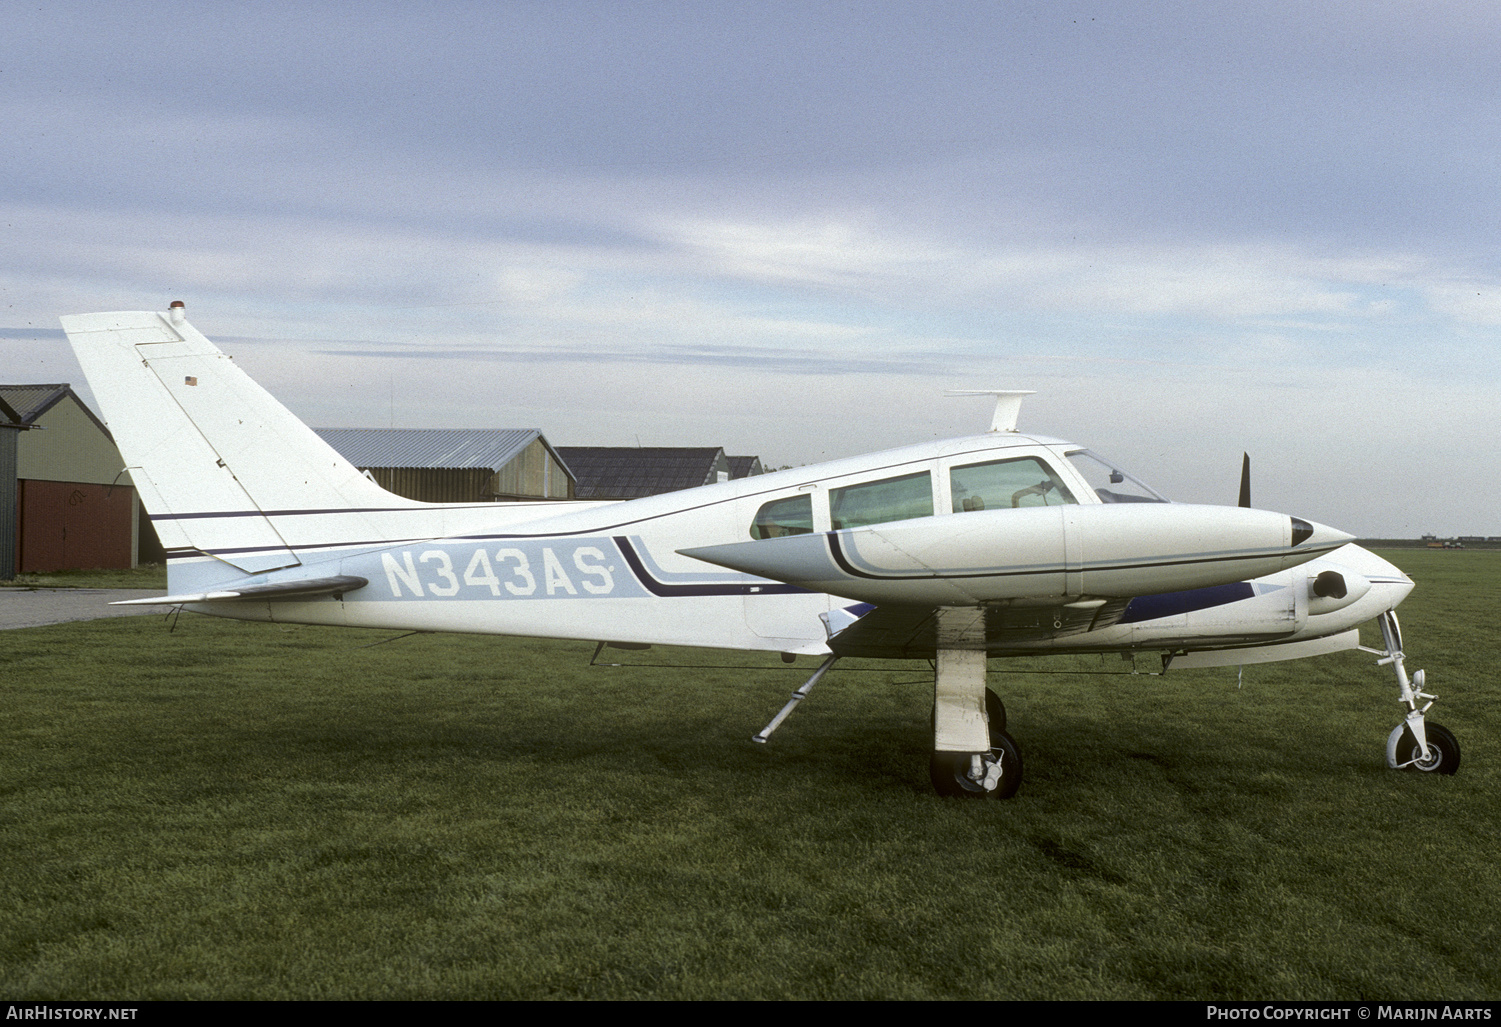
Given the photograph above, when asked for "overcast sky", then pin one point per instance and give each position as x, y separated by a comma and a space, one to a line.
786, 228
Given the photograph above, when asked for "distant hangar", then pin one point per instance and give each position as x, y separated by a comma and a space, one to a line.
63, 491
456, 465
482, 465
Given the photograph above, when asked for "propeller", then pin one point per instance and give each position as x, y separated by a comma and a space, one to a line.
1245, 480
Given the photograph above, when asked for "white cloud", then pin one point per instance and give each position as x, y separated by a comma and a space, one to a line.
1475, 303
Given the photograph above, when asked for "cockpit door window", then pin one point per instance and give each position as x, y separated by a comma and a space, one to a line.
1006, 485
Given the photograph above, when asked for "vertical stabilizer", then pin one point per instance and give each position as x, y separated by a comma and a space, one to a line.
215, 456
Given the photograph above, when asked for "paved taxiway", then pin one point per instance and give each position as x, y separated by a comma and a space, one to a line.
34, 607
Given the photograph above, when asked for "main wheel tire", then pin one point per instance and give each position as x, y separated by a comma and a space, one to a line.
995, 710
1443, 750
949, 771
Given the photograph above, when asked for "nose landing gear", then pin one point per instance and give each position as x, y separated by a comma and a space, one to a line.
1414, 744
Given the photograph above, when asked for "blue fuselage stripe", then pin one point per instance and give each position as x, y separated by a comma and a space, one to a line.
661, 588
1171, 604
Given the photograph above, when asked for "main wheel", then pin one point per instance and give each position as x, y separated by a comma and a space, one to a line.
950, 770
1443, 750
995, 710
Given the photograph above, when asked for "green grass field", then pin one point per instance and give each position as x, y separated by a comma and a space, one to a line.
256, 811
152, 575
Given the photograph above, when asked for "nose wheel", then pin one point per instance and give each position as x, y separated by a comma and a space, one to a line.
1404, 753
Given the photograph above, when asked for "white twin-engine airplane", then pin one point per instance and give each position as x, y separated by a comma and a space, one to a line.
999, 544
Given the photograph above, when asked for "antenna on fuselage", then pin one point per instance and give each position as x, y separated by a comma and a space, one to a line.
1008, 404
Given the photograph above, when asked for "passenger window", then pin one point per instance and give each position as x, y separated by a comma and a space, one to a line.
892, 499
1006, 485
790, 516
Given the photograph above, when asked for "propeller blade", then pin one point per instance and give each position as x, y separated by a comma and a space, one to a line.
1245, 480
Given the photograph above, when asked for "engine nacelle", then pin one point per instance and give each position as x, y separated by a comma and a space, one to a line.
1333, 588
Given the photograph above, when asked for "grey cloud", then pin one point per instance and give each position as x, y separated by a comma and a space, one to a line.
764, 359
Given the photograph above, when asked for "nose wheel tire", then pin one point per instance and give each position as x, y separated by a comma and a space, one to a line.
951, 771
1403, 751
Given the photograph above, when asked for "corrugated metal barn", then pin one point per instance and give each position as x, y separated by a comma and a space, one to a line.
610, 472
456, 465
74, 505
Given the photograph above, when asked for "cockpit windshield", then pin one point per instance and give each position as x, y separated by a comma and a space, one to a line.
1109, 482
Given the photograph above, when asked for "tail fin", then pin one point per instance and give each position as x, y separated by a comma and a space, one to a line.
210, 450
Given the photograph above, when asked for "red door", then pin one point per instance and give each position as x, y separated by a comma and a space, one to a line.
66, 525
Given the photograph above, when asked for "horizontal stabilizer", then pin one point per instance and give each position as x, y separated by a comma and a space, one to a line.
307, 588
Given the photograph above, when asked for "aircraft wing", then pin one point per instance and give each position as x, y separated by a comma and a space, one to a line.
914, 632
307, 588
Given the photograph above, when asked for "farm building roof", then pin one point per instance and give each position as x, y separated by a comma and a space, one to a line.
610, 472
32, 401
744, 466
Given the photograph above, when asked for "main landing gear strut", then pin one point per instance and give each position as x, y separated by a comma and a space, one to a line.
973, 756
995, 774
1414, 744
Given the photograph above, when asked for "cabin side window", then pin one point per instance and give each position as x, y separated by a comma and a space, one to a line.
790, 516
875, 502
1006, 485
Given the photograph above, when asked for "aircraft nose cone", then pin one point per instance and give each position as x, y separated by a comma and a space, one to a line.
1387, 580
1378, 569
1315, 535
